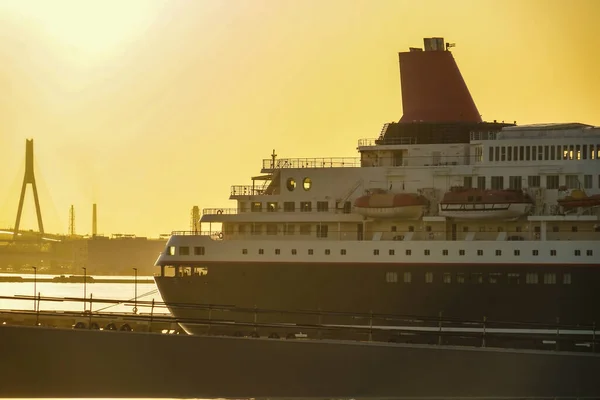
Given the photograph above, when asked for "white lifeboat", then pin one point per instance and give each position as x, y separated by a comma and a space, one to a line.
462, 203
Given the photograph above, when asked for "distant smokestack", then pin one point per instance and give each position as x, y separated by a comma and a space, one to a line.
433, 89
72, 221
94, 221
195, 219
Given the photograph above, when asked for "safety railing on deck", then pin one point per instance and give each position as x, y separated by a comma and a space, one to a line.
246, 190
219, 211
327, 162
390, 141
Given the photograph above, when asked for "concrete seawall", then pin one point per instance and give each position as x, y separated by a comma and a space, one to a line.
46, 362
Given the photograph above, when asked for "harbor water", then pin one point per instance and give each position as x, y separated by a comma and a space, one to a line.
95, 290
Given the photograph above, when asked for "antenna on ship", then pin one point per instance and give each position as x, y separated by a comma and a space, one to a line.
273, 157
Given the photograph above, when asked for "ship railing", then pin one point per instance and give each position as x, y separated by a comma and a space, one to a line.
246, 190
226, 319
327, 162
219, 211
279, 230
216, 235
368, 142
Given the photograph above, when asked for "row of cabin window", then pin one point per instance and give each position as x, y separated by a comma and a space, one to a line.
544, 153
185, 250
533, 181
426, 252
305, 206
549, 278
322, 230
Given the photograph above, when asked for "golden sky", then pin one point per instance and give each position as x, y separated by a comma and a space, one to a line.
150, 107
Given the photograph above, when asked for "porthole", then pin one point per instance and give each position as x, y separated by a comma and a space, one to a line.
306, 183
291, 184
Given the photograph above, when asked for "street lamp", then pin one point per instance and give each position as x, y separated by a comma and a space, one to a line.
84, 286
34, 286
135, 291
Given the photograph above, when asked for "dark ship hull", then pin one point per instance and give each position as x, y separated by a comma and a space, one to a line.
316, 294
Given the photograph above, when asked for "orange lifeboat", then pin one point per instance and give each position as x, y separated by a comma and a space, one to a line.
383, 204
462, 203
574, 198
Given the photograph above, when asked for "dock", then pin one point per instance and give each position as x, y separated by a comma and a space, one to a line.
72, 363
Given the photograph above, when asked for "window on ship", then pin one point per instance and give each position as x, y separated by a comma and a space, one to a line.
184, 251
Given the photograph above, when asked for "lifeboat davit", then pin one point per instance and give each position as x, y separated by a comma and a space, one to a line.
382, 204
575, 198
462, 203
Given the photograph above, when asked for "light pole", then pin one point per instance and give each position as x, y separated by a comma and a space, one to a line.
84, 287
135, 291
34, 286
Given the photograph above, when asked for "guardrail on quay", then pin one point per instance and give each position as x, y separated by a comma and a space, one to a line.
230, 320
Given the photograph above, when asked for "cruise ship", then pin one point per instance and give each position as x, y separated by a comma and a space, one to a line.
441, 214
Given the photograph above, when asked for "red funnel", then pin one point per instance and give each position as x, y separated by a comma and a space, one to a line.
433, 89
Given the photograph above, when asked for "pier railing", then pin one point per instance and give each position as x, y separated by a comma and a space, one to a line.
229, 320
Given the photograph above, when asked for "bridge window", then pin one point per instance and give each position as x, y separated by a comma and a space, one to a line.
445, 252
460, 277
277, 251
517, 252
577, 252
184, 251
289, 229
408, 252
497, 182
531, 278
199, 250
498, 252
552, 182
271, 229
244, 251
461, 252
590, 252
566, 279
322, 231
271, 206
552, 252
322, 206
514, 278
305, 229
407, 277
310, 252
391, 277
256, 206
427, 252
376, 252
447, 278
327, 252
171, 250
306, 183
261, 251
535, 252
550, 278
294, 252
290, 184
289, 206
343, 252
587, 181
391, 252
494, 277
479, 252
305, 206
428, 277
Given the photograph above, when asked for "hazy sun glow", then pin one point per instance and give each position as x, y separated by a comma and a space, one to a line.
89, 27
